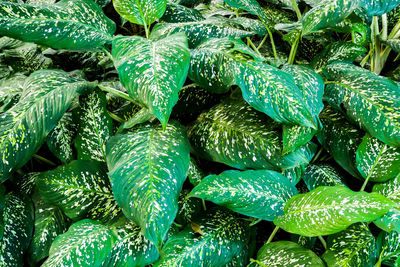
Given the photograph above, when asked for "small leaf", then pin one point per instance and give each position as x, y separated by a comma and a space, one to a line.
260, 194
354, 246
378, 7
147, 169
143, 12
322, 175
86, 243
153, 72
389, 245
330, 209
81, 189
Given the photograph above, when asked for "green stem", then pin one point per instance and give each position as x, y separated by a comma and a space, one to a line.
384, 27
117, 93
115, 117
273, 234
36, 156
262, 42
272, 41
258, 262
253, 46
323, 242
255, 222
203, 202
296, 9
293, 50
146, 30
365, 183
320, 150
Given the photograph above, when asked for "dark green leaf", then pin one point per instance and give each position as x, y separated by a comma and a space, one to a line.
10, 91
188, 208
394, 44
195, 174
143, 12
177, 13
378, 7
389, 245
321, 175
251, 6
147, 169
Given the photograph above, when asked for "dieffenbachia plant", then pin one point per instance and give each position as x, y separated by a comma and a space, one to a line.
197, 133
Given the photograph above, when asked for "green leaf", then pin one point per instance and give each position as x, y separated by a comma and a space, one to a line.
131, 248
295, 136
60, 139
394, 44
86, 243
198, 31
251, 6
16, 225
389, 244
368, 99
260, 194
240, 260
10, 91
340, 138
274, 92
378, 7
143, 12
153, 72
50, 222
390, 189
147, 169
330, 209
81, 189
188, 209
94, 127
195, 174
286, 253
176, 13
321, 175
211, 63
252, 25
327, 14
68, 24
24, 127
345, 51
376, 160
354, 246
390, 221
214, 241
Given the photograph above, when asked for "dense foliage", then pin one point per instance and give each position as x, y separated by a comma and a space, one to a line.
200, 133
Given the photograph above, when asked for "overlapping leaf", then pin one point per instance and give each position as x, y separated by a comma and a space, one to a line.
10, 91
251, 6
389, 245
321, 175
390, 221
143, 12
177, 13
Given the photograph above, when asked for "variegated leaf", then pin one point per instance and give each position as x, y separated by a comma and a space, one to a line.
213, 240
252, 25
147, 169
198, 31
354, 246
330, 209
321, 175
188, 208
390, 221
23, 128
81, 189
86, 243
286, 253
143, 12
16, 227
376, 160
177, 13
10, 91
390, 189
370, 100
68, 24
389, 245
274, 92
394, 44
378, 7
195, 174
153, 72
251, 6
240, 260
94, 127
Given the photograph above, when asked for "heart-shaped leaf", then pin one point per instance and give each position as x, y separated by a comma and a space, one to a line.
148, 189
143, 12
321, 175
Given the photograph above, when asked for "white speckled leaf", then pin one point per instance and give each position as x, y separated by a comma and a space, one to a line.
378, 7
376, 160
211, 63
23, 128
143, 12
147, 169
68, 24
188, 208
370, 100
17, 224
274, 92
195, 174
11, 90
179, 13
153, 72
94, 127
394, 44
354, 246
260, 194
198, 31
390, 221
81, 189
50, 222
330, 209
321, 175
222, 236
390, 189
251, 6
286, 253
86, 243
131, 249
389, 243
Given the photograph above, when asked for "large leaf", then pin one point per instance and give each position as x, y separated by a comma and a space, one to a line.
330, 209
153, 72
321, 175
147, 169
198, 31
354, 246
94, 127
261, 194
23, 128
376, 160
252, 6
16, 227
143, 12
86, 243
68, 24
367, 98
378, 7
389, 245
81, 189
327, 13
214, 241
211, 63
274, 92
390, 221
286, 253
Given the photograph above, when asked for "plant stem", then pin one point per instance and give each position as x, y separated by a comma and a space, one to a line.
115, 117
296, 9
36, 156
146, 30
255, 222
273, 234
293, 50
262, 42
317, 155
384, 27
258, 262
272, 41
117, 93
323, 242
253, 46
203, 202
